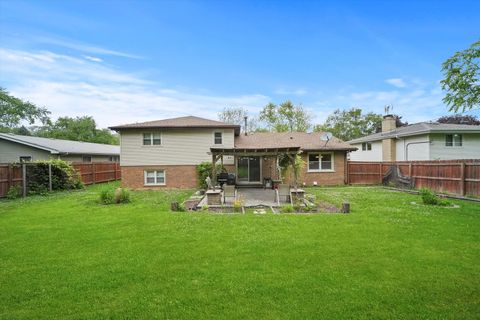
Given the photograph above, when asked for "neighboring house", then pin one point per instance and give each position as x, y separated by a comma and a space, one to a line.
17, 148
419, 141
165, 153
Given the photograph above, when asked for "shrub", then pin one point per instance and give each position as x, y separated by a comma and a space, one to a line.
204, 170
287, 209
108, 195
430, 198
64, 176
122, 195
14, 192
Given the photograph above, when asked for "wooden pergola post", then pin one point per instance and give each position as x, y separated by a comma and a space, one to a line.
214, 171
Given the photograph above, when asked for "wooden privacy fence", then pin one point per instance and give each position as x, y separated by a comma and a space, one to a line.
461, 177
90, 173
97, 172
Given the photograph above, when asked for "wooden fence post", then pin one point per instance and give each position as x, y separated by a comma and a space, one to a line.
9, 176
462, 179
381, 172
50, 177
24, 180
94, 175
410, 169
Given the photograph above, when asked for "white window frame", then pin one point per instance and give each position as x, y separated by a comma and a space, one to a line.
453, 140
83, 159
151, 133
155, 174
221, 137
320, 162
366, 144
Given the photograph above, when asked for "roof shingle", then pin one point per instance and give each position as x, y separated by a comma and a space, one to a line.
303, 140
59, 146
181, 122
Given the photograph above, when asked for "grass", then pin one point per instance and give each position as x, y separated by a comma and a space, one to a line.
66, 256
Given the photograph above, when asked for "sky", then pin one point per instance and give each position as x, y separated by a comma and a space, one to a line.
132, 61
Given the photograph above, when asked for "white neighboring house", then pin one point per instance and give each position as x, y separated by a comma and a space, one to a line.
419, 141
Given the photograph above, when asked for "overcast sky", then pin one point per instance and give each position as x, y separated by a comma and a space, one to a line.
128, 61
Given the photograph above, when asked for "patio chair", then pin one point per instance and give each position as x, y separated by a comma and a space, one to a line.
284, 191
229, 192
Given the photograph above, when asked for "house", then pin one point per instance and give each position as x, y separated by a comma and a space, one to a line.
165, 153
419, 141
17, 148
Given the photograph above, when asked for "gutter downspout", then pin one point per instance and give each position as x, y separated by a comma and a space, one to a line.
408, 144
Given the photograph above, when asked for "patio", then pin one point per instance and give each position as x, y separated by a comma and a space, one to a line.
251, 197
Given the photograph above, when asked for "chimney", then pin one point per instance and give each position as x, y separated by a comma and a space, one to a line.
388, 123
245, 128
389, 145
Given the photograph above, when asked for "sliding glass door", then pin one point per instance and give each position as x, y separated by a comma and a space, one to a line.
248, 169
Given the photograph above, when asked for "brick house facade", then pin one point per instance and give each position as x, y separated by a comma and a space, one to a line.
165, 154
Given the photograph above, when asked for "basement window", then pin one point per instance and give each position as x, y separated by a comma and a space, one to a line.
453, 140
154, 177
366, 146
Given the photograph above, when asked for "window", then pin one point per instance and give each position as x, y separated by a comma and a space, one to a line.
25, 159
453, 140
152, 139
366, 146
154, 177
218, 138
86, 159
113, 158
320, 162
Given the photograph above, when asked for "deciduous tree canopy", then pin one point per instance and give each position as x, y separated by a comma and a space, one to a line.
350, 124
14, 110
462, 79
285, 117
79, 129
459, 119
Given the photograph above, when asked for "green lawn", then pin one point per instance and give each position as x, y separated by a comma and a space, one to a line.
67, 257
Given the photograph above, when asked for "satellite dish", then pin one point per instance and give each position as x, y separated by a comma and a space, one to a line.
326, 136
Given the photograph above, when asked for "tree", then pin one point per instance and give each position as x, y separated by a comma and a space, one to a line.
462, 83
350, 124
237, 116
14, 110
286, 117
78, 129
459, 119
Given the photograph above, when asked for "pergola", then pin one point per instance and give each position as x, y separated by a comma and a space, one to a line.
218, 153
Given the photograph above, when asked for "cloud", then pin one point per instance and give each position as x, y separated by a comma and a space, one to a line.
396, 82
296, 92
84, 47
70, 86
94, 59
415, 104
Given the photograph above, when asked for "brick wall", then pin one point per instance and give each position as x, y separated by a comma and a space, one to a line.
322, 178
184, 176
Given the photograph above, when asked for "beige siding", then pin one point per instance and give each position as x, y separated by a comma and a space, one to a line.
11, 152
470, 148
369, 155
179, 147
413, 148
